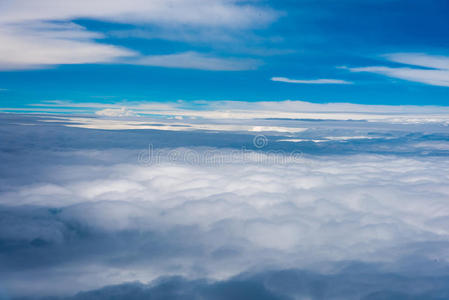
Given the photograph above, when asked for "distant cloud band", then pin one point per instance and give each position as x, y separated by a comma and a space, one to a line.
314, 81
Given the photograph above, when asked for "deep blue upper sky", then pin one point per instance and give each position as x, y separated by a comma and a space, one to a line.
369, 52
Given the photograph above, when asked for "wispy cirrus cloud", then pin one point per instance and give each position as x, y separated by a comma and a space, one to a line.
43, 33
313, 81
215, 13
195, 60
428, 69
420, 59
41, 44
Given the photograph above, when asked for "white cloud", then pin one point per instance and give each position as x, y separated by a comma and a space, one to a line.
431, 77
194, 60
220, 13
43, 44
87, 208
115, 112
315, 81
302, 214
421, 59
41, 33
285, 284
176, 123
436, 70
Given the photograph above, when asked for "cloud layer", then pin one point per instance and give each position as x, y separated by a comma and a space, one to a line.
358, 282
85, 208
237, 113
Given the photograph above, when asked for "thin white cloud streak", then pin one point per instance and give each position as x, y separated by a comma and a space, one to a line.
420, 59
30, 38
437, 72
194, 60
315, 81
431, 77
230, 41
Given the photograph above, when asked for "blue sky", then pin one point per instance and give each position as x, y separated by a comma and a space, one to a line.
367, 52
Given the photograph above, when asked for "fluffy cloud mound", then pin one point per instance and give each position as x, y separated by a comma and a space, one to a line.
361, 282
86, 210
115, 112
